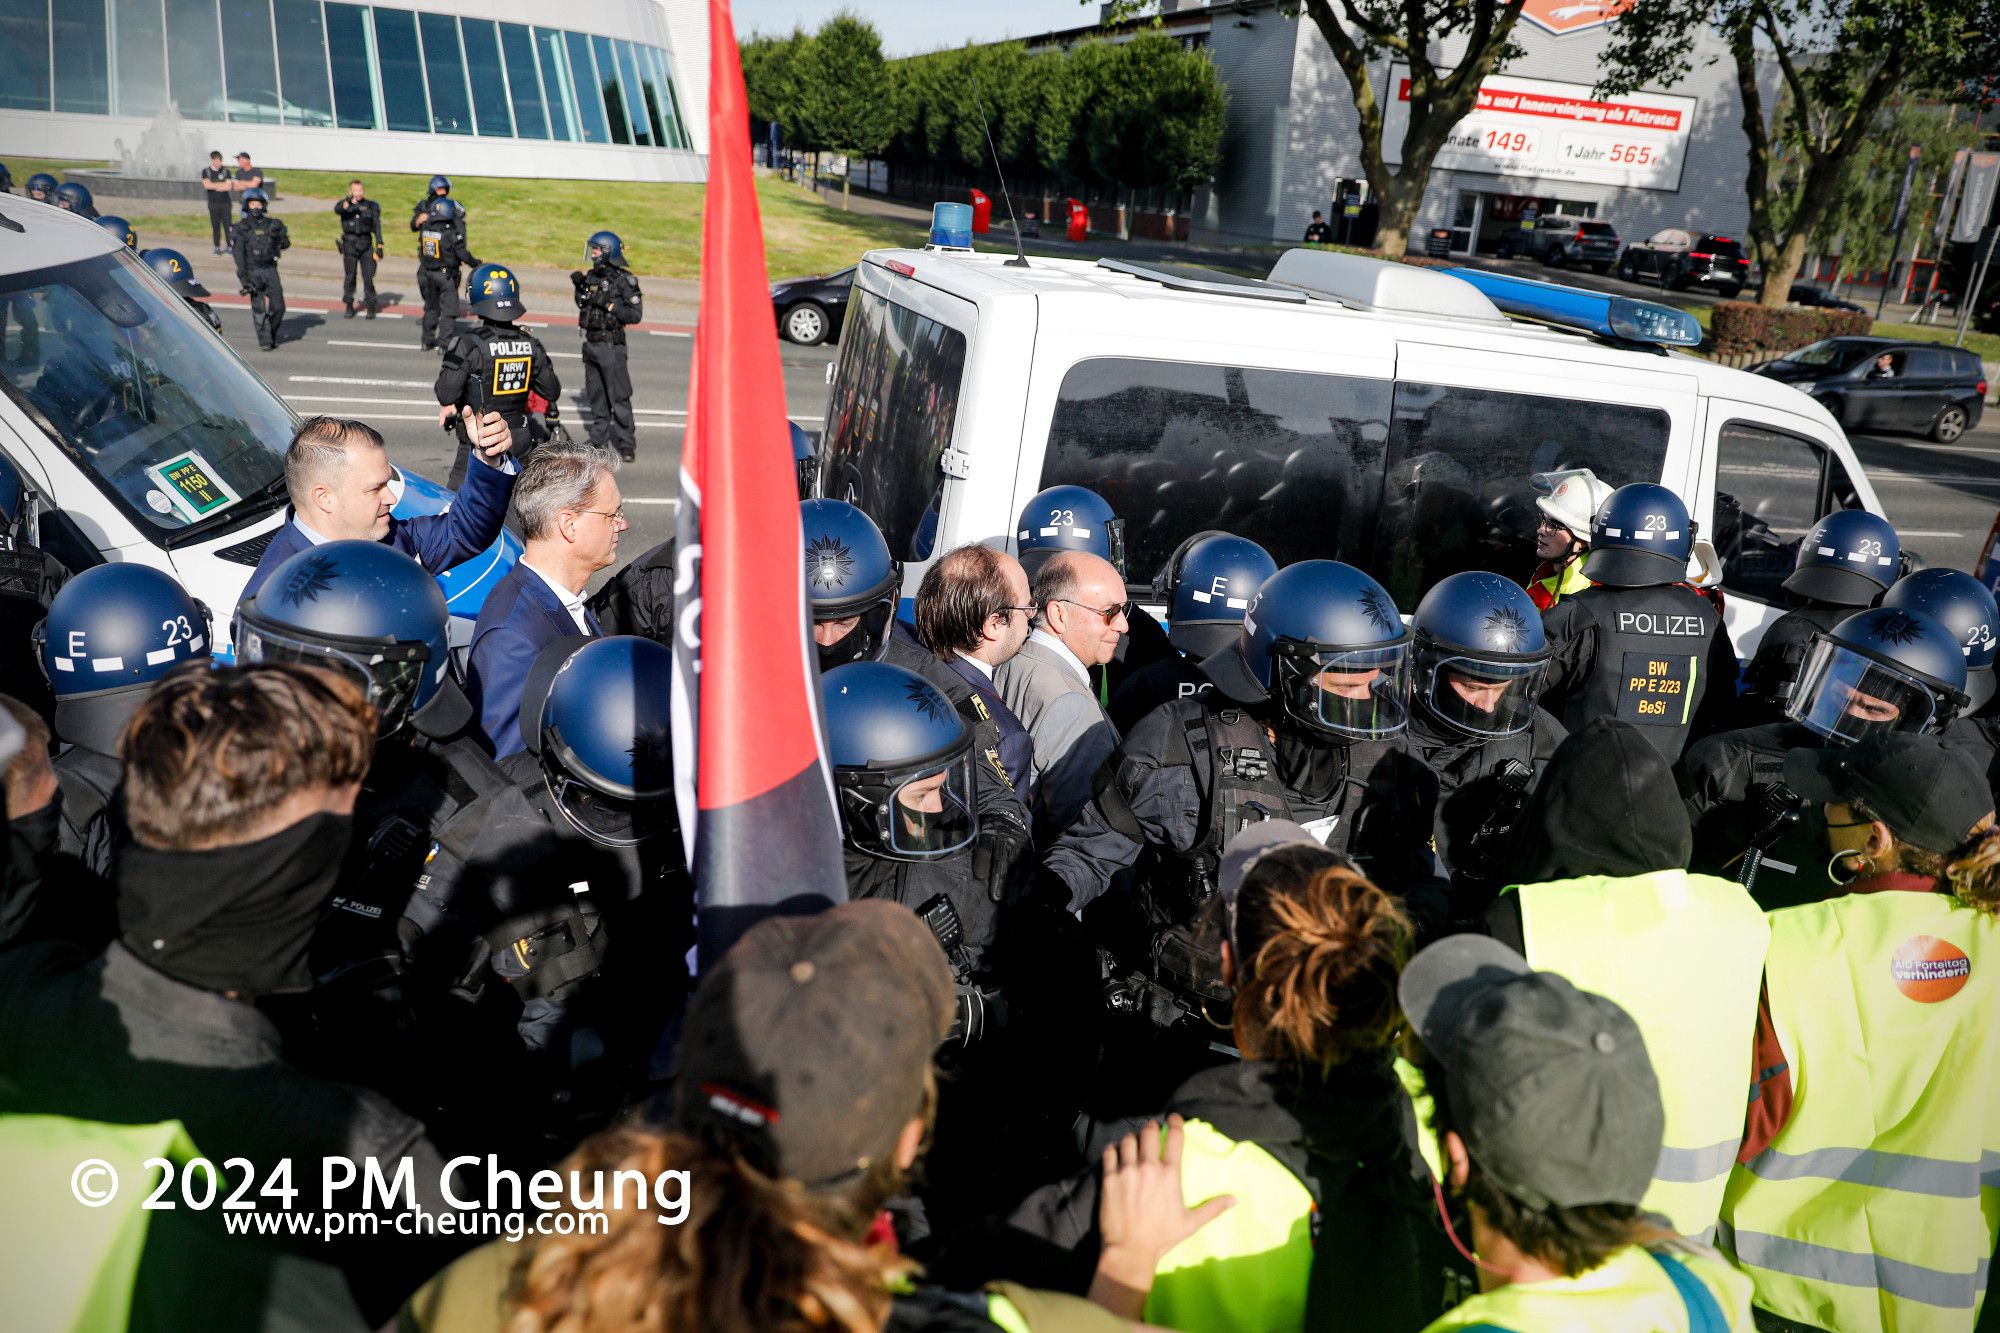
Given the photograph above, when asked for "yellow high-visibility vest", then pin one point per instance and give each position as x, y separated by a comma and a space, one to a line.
1634, 1291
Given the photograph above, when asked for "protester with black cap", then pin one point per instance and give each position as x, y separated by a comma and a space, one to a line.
802, 1102
1602, 899
1549, 1117
1864, 1200
1307, 1132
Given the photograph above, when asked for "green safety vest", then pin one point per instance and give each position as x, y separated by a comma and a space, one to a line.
1684, 955
1875, 1206
1250, 1268
1634, 1291
74, 1264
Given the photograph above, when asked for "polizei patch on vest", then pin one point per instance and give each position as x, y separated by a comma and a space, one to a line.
1673, 624
1928, 969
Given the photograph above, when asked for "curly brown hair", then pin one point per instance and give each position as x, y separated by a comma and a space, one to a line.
1319, 949
1969, 872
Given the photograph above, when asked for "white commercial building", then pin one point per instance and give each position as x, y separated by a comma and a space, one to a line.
610, 90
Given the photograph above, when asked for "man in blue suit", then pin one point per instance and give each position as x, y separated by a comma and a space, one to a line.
972, 612
570, 514
338, 475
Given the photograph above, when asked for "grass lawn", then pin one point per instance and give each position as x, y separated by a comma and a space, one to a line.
545, 222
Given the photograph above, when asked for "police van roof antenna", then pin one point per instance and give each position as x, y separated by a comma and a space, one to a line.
1020, 259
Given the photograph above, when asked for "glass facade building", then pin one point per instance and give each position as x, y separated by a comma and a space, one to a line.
318, 64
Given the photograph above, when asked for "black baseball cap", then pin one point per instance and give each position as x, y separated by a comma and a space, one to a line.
1550, 1086
809, 1043
1928, 792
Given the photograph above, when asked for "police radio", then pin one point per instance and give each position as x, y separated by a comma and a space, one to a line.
1783, 807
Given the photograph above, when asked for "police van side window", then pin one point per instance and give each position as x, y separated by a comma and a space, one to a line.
1456, 493
1770, 488
1289, 459
891, 417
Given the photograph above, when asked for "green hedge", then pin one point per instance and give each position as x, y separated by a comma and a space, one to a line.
1741, 326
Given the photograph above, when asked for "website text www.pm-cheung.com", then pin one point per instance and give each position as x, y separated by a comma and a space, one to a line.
334, 1225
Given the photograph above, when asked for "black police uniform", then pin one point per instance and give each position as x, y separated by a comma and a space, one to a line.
29, 580
607, 299
89, 781
1483, 785
491, 367
1979, 737
441, 256
1734, 787
1767, 680
256, 242
360, 247
639, 598
1144, 643
1657, 657
1176, 677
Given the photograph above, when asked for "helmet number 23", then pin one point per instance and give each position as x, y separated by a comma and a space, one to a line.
178, 631
1656, 522
1063, 518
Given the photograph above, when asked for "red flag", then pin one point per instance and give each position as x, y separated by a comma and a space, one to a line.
755, 787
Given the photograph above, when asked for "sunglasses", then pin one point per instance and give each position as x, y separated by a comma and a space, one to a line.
1110, 613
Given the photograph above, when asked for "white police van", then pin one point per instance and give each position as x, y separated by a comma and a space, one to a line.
130, 432
1378, 413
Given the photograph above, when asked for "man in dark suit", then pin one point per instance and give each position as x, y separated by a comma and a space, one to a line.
973, 612
338, 475
570, 514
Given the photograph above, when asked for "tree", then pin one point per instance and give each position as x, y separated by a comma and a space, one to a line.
845, 90
1158, 118
1840, 61
770, 82
1854, 225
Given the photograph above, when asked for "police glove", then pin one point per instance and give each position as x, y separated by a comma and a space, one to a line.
977, 1015
378, 252
576, 278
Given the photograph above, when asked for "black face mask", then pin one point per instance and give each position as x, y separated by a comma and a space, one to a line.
1309, 762
39, 830
233, 918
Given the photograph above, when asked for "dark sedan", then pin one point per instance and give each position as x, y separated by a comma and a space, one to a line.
810, 310
1804, 293
1880, 384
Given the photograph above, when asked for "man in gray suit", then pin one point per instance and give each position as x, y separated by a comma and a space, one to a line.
1047, 684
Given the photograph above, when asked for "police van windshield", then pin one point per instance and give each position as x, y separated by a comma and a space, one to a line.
141, 395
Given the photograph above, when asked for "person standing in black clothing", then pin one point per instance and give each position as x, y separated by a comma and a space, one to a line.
494, 366
257, 241
215, 187
440, 254
1317, 232
246, 179
607, 299
360, 245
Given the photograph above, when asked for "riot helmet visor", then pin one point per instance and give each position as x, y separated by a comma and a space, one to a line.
1355, 694
1480, 696
391, 674
1849, 696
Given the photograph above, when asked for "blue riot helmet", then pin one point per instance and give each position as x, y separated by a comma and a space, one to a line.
849, 576
174, 270
260, 199
1962, 604
447, 210
40, 187
366, 610
1479, 657
594, 712
74, 197
120, 228
1325, 642
606, 243
806, 459
1069, 518
1879, 671
1641, 538
440, 185
110, 635
1208, 584
493, 292
902, 763
1849, 559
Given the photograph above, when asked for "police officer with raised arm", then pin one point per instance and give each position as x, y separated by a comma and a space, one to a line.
607, 299
421, 211
494, 366
360, 245
256, 241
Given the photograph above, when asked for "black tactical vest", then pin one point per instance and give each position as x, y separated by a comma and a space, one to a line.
1652, 661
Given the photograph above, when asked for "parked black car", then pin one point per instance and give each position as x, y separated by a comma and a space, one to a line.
1880, 384
810, 310
1557, 241
1677, 259
1804, 293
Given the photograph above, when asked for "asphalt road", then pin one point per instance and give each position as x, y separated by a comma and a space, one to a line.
1942, 498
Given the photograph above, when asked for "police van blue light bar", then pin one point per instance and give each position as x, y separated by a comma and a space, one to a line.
1593, 312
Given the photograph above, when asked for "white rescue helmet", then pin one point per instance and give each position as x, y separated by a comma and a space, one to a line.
1572, 498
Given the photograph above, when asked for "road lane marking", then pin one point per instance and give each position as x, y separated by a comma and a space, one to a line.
358, 383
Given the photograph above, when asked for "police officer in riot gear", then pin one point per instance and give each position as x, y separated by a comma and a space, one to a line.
1639, 644
441, 253
1876, 671
420, 214
494, 366
256, 240
29, 580
40, 187
1478, 658
1076, 518
360, 245
1844, 565
112, 633
120, 228
852, 581
1963, 606
607, 299
173, 269
1207, 584
74, 197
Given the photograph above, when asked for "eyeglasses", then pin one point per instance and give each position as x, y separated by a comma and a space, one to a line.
615, 515
1032, 608
1110, 613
